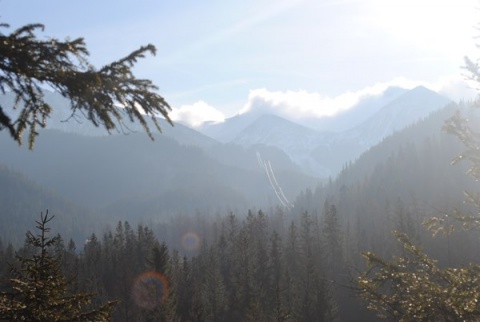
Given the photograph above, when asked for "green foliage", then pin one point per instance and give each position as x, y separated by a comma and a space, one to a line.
39, 290
414, 288
459, 126
28, 65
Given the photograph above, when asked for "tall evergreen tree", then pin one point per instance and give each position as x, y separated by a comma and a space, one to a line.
39, 290
333, 248
214, 292
160, 261
292, 276
277, 288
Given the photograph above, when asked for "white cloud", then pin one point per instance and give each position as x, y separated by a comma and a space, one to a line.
297, 104
196, 114
300, 104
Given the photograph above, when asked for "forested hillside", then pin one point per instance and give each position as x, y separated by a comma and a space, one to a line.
130, 177
398, 184
236, 267
21, 200
275, 161
289, 264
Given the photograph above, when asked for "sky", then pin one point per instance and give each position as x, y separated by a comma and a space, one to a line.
298, 58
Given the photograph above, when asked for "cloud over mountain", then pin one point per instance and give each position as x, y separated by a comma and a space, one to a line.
196, 114
305, 107
297, 104
301, 105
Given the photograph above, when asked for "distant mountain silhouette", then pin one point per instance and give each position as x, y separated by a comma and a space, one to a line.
323, 153
104, 173
21, 202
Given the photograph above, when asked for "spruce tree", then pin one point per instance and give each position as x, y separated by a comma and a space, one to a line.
214, 293
277, 288
39, 289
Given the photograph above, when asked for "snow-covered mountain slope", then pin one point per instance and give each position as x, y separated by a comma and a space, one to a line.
324, 153
274, 130
409, 108
318, 152
229, 129
295, 140
405, 110
358, 114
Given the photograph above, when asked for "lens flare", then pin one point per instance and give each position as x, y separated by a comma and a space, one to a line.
150, 289
190, 241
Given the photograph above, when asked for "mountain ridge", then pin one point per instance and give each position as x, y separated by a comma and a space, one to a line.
323, 153
317, 152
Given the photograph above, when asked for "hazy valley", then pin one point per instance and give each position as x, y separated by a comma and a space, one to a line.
288, 161
251, 161
389, 170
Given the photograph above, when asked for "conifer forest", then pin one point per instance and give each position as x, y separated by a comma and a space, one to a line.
111, 210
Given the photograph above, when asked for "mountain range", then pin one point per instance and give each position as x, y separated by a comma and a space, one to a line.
323, 149
261, 161
319, 150
319, 147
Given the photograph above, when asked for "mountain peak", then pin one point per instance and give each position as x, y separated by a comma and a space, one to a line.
268, 126
405, 110
421, 90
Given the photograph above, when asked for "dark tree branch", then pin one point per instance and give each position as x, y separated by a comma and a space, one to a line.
104, 96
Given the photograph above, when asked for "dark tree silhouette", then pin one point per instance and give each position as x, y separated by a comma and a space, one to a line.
39, 290
104, 96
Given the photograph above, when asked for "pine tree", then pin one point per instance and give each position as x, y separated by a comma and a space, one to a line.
243, 273
213, 289
292, 274
333, 249
92, 278
39, 290
277, 288
160, 262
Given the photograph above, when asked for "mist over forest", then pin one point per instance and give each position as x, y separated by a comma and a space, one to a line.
163, 161
257, 218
